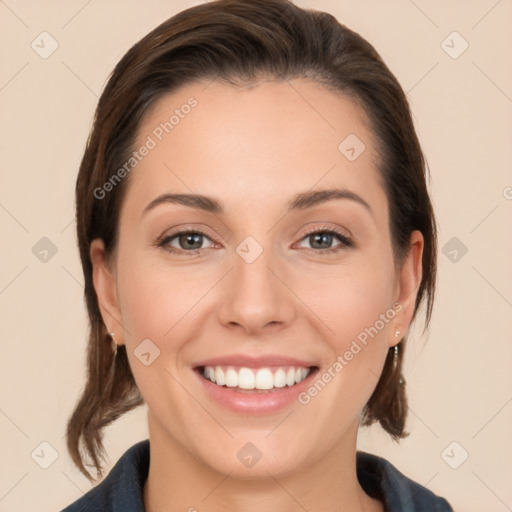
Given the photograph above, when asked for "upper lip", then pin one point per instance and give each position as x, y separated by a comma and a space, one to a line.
243, 360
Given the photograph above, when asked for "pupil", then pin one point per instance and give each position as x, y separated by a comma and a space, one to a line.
324, 240
191, 241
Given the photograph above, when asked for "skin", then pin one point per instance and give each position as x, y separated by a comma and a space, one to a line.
253, 148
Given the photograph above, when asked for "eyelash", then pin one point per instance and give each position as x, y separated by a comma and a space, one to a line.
345, 242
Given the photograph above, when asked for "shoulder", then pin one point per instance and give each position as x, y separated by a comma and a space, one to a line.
380, 479
122, 489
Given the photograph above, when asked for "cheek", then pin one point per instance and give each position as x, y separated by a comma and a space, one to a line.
350, 298
155, 299
355, 307
358, 315
159, 304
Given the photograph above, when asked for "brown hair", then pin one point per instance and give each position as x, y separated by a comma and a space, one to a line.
237, 41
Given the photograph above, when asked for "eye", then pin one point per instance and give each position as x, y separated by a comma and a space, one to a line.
325, 240
188, 241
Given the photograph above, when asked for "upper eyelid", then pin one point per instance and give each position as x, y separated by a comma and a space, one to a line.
313, 226
323, 229
180, 230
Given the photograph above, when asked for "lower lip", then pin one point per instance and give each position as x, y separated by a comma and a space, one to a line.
256, 402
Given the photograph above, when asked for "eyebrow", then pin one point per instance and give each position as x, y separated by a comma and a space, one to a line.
315, 197
193, 200
301, 201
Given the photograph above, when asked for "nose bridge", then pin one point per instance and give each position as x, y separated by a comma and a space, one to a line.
255, 297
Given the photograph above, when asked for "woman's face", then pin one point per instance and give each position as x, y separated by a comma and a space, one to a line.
272, 280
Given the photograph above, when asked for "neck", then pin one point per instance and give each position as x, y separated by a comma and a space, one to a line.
177, 481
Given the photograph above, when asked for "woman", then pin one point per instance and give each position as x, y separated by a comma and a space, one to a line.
257, 237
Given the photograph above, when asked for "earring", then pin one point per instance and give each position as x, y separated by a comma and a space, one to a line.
397, 332
395, 357
114, 345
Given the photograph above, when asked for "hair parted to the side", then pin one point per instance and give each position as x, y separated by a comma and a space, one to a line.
239, 41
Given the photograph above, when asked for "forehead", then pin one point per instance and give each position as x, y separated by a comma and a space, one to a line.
252, 144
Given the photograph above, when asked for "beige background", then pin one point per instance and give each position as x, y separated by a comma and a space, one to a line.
460, 381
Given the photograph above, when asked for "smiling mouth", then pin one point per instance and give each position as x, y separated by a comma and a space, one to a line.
255, 380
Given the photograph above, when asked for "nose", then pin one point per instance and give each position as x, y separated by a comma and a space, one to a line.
256, 298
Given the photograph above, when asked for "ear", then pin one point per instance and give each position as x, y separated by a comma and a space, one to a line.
105, 286
409, 281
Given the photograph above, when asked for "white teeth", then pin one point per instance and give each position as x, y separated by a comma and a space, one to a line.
280, 378
249, 378
217, 376
264, 379
231, 378
245, 379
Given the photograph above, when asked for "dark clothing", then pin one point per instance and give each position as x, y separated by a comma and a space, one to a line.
122, 488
